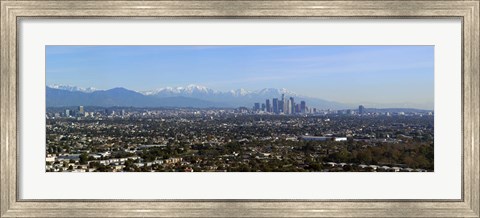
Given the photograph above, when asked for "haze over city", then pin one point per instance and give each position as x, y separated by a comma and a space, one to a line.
376, 76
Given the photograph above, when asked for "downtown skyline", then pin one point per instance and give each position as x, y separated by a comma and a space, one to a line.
370, 75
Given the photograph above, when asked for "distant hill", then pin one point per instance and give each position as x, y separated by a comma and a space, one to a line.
189, 96
118, 97
240, 97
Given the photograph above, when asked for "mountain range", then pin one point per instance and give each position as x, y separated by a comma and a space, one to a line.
73, 88
189, 96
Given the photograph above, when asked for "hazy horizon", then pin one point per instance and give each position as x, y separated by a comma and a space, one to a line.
366, 75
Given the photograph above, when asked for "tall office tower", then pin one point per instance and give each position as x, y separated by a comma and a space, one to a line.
67, 113
285, 107
269, 107
292, 105
361, 109
285, 104
275, 105
303, 107
263, 107
288, 108
280, 106
81, 110
256, 107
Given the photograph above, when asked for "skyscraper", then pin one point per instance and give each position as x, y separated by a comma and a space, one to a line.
292, 106
281, 103
269, 107
288, 108
256, 107
275, 105
285, 104
81, 110
361, 109
303, 107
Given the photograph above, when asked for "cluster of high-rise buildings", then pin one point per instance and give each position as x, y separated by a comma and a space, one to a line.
78, 112
283, 106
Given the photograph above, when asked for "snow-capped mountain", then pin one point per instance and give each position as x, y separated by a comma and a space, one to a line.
73, 88
239, 92
236, 97
190, 96
275, 92
193, 95
192, 90
119, 97
179, 91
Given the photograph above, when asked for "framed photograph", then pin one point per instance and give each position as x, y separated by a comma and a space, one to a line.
230, 117
239, 108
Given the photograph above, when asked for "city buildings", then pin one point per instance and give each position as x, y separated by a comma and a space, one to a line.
284, 106
361, 109
256, 107
81, 110
292, 106
275, 106
269, 107
120, 139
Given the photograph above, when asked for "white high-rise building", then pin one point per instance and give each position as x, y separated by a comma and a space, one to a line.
81, 110
288, 109
285, 104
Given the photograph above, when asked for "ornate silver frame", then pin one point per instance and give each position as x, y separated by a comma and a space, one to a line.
11, 11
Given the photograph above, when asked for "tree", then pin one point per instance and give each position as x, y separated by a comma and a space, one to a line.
83, 158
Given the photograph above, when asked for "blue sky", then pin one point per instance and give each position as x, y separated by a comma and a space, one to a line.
347, 74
